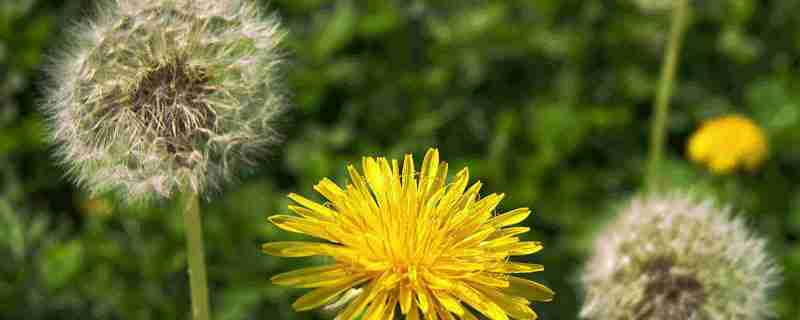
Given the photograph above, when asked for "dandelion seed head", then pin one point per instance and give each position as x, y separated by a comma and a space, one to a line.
674, 257
150, 97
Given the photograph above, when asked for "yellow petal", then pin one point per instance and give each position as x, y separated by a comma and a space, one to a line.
329, 189
357, 181
408, 169
377, 307
355, 307
391, 306
428, 171
413, 313
292, 223
423, 301
510, 218
475, 238
433, 313
478, 301
488, 204
454, 191
473, 191
444, 314
439, 181
510, 232
322, 296
456, 266
479, 213
325, 276
307, 213
436, 282
529, 290
311, 227
316, 207
517, 267
294, 249
375, 178
389, 280
468, 315
520, 248
489, 280
405, 299
498, 242
449, 302
515, 306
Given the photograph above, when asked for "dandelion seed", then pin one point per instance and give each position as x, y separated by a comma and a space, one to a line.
727, 143
672, 257
408, 242
158, 96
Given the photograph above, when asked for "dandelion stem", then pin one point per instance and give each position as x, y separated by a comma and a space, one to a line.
661, 104
196, 256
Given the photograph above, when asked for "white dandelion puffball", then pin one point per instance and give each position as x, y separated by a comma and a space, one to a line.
673, 257
153, 97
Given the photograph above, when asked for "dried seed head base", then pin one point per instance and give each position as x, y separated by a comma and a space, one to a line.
669, 292
168, 100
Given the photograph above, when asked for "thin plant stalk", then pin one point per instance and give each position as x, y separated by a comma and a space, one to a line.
196, 256
665, 86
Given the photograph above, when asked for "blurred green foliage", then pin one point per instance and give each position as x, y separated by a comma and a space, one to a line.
547, 101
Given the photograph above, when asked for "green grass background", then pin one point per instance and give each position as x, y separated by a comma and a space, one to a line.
547, 101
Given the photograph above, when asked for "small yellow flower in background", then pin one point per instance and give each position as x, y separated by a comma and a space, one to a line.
727, 143
407, 241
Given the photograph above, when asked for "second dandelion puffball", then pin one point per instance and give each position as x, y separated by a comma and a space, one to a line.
674, 257
154, 97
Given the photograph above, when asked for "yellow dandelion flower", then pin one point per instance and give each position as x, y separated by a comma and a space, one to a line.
408, 242
729, 142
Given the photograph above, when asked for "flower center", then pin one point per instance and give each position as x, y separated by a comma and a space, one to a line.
669, 292
169, 101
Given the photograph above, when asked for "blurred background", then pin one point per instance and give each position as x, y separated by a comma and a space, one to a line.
548, 101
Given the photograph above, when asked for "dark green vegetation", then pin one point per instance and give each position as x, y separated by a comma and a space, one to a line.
547, 101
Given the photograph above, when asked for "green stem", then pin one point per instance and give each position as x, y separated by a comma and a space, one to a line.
196, 256
661, 104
